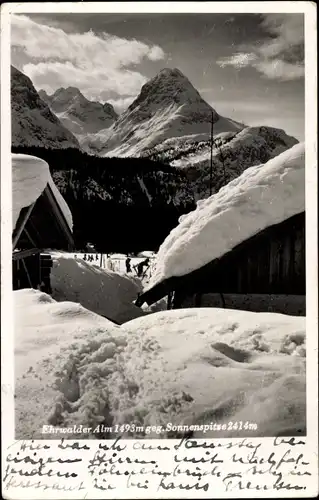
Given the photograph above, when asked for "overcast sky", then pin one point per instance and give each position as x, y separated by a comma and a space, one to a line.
249, 67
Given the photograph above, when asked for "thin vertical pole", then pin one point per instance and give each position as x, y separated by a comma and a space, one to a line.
101, 260
211, 156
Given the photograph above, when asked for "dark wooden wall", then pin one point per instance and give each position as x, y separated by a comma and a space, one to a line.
42, 229
271, 262
32, 272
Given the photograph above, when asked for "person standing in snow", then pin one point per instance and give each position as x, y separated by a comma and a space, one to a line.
109, 263
84, 258
128, 265
140, 267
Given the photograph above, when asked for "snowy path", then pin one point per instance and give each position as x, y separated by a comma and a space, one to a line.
116, 263
109, 293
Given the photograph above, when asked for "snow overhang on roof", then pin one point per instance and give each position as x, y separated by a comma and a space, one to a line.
30, 177
260, 197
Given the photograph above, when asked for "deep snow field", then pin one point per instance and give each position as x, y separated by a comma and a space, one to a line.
191, 366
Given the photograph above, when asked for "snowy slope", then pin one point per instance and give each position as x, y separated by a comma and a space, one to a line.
249, 145
167, 106
232, 154
197, 366
78, 114
33, 124
262, 196
30, 176
102, 291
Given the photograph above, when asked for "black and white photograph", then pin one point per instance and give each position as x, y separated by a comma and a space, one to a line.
158, 176
158, 165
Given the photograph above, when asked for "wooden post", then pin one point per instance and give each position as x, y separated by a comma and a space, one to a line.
211, 156
198, 300
18, 274
27, 273
22, 220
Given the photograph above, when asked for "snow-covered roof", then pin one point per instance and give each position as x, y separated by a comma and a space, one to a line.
62, 203
260, 197
30, 177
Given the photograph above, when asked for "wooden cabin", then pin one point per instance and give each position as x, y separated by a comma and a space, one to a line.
264, 273
40, 226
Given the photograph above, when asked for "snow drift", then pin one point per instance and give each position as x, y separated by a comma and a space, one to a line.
44, 334
262, 196
102, 291
196, 366
30, 177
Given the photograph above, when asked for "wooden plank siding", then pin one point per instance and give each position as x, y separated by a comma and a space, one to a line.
272, 262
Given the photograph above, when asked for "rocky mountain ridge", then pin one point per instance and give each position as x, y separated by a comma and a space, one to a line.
168, 106
80, 115
232, 154
33, 123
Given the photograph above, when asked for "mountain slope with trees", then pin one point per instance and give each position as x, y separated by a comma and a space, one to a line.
118, 204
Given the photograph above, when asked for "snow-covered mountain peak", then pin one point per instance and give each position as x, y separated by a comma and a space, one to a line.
33, 123
63, 97
79, 114
69, 91
167, 106
169, 75
168, 87
72, 91
172, 72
